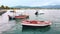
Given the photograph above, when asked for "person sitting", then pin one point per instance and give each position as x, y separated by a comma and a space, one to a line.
36, 13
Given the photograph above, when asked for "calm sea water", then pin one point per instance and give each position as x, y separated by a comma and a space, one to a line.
14, 26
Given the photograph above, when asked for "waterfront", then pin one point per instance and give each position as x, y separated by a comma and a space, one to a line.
15, 27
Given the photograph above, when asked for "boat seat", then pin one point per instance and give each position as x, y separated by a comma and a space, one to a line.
27, 21
33, 22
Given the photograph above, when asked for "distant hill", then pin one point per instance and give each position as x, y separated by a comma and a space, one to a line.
24, 7
49, 6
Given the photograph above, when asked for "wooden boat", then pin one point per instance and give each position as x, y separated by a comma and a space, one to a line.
35, 23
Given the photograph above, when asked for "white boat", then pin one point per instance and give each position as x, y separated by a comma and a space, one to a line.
35, 23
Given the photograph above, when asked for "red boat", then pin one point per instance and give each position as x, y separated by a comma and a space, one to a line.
18, 17
35, 23
22, 16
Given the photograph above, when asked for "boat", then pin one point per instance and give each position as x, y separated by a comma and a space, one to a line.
18, 17
22, 16
35, 23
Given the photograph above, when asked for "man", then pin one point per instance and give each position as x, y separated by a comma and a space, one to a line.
36, 13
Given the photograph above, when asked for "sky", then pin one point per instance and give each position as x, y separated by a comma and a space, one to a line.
32, 3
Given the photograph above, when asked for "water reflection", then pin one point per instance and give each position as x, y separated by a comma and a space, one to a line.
40, 29
16, 29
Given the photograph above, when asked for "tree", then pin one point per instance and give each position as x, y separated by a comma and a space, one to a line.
2, 6
6, 7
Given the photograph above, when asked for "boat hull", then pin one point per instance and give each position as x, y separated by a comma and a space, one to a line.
36, 23
24, 26
21, 17
18, 17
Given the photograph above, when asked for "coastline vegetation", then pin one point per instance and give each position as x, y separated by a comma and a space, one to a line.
7, 7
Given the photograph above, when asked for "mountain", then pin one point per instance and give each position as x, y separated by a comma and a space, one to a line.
21, 7
49, 6
24, 7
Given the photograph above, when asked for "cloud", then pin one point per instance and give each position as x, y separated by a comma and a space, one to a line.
36, 3
29, 2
